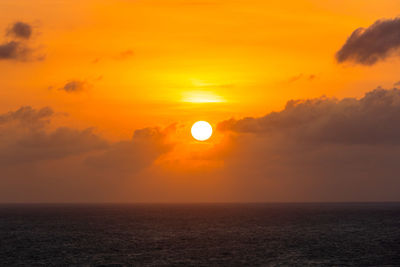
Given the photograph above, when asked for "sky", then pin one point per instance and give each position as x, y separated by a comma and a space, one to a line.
97, 99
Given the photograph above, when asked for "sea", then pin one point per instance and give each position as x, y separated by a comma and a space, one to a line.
256, 234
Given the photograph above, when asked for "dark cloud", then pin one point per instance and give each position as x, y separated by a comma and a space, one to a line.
61, 143
28, 117
369, 120
397, 83
14, 50
74, 86
20, 30
40, 162
368, 46
9, 50
25, 138
281, 168
130, 156
18, 48
320, 149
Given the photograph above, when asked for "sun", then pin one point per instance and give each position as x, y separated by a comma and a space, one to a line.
201, 130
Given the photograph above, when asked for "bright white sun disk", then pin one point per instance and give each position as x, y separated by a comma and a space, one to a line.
201, 130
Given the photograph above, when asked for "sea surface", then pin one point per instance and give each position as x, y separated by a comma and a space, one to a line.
352, 234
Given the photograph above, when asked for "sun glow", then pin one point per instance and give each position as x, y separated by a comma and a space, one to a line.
201, 97
201, 130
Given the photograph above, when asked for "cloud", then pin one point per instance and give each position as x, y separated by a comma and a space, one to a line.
397, 83
42, 162
369, 120
20, 30
321, 149
18, 47
74, 86
309, 77
14, 50
138, 153
370, 45
24, 138
28, 117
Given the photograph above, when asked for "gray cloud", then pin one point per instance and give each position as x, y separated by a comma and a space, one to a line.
368, 46
39, 162
24, 138
14, 50
369, 120
75, 86
321, 149
18, 47
28, 117
20, 30
130, 156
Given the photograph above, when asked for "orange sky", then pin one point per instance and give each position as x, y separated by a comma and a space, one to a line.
245, 53
156, 62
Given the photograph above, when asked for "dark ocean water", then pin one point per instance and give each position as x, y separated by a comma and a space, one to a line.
201, 235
